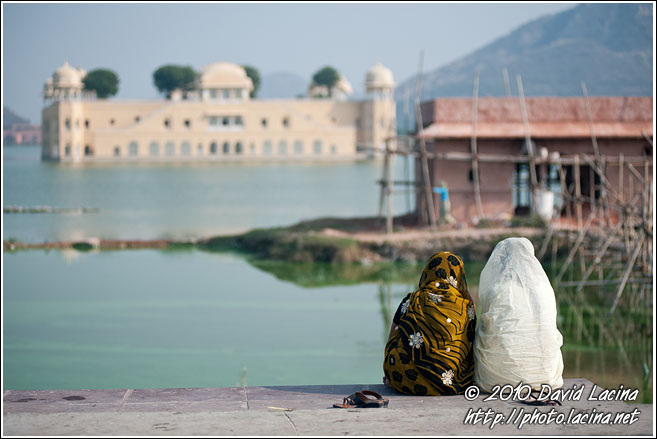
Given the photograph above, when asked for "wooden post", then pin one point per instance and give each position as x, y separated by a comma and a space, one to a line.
473, 148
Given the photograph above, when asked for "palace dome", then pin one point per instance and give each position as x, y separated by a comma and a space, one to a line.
344, 86
224, 75
67, 76
379, 76
341, 90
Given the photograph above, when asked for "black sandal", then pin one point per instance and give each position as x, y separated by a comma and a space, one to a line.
536, 401
361, 400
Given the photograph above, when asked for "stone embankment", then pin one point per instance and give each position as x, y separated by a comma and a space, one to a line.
306, 411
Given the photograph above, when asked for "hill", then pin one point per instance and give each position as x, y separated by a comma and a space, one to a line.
608, 46
9, 118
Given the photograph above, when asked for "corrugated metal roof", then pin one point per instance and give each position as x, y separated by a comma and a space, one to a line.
549, 117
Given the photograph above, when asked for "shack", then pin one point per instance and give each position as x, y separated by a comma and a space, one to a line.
493, 153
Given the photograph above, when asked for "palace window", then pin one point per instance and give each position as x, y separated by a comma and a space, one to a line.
188, 123
170, 149
67, 124
264, 122
334, 150
213, 148
317, 147
226, 148
199, 149
238, 148
298, 147
137, 119
167, 123
213, 93
225, 94
282, 147
86, 123
154, 149
87, 150
226, 121
185, 149
67, 150
266, 147
134, 149
286, 122
112, 121
117, 151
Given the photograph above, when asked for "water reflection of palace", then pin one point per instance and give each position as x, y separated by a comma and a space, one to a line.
217, 120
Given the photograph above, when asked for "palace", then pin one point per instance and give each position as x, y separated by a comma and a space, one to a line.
217, 120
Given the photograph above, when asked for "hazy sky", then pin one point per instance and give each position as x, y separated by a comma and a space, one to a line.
135, 39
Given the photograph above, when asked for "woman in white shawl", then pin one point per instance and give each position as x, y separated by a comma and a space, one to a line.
517, 339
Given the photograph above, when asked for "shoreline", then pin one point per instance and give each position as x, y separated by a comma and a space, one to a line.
326, 240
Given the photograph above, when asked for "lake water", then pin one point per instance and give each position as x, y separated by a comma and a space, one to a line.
152, 319
187, 200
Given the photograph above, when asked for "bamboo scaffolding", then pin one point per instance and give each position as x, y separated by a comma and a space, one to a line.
607, 226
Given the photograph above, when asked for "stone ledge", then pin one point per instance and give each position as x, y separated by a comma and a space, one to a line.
284, 410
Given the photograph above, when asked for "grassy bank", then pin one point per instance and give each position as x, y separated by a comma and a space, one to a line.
328, 240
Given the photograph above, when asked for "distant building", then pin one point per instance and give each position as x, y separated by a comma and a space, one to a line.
559, 129
215, 121
22, 133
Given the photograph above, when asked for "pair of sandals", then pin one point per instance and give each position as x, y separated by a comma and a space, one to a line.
362, 400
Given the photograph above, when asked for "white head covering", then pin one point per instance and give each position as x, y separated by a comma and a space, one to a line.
517, 339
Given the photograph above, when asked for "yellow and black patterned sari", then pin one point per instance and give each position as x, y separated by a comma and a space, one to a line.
430, 352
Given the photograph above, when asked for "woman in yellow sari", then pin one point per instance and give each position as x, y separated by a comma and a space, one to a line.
429, 351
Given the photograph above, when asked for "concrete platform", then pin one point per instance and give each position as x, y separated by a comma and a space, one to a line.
306, 410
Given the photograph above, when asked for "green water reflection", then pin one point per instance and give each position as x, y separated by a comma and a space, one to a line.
149, 319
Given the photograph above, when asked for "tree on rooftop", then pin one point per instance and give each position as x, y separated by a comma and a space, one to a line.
253, 73
328, 77
103, 81
170, 77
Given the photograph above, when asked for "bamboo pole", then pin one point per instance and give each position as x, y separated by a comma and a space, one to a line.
528, 141
565, 191
576, 246
390, 181
598, 256
384, 180
426, 178
594, 141
473, 148
507, 88
578, 193
628, 270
